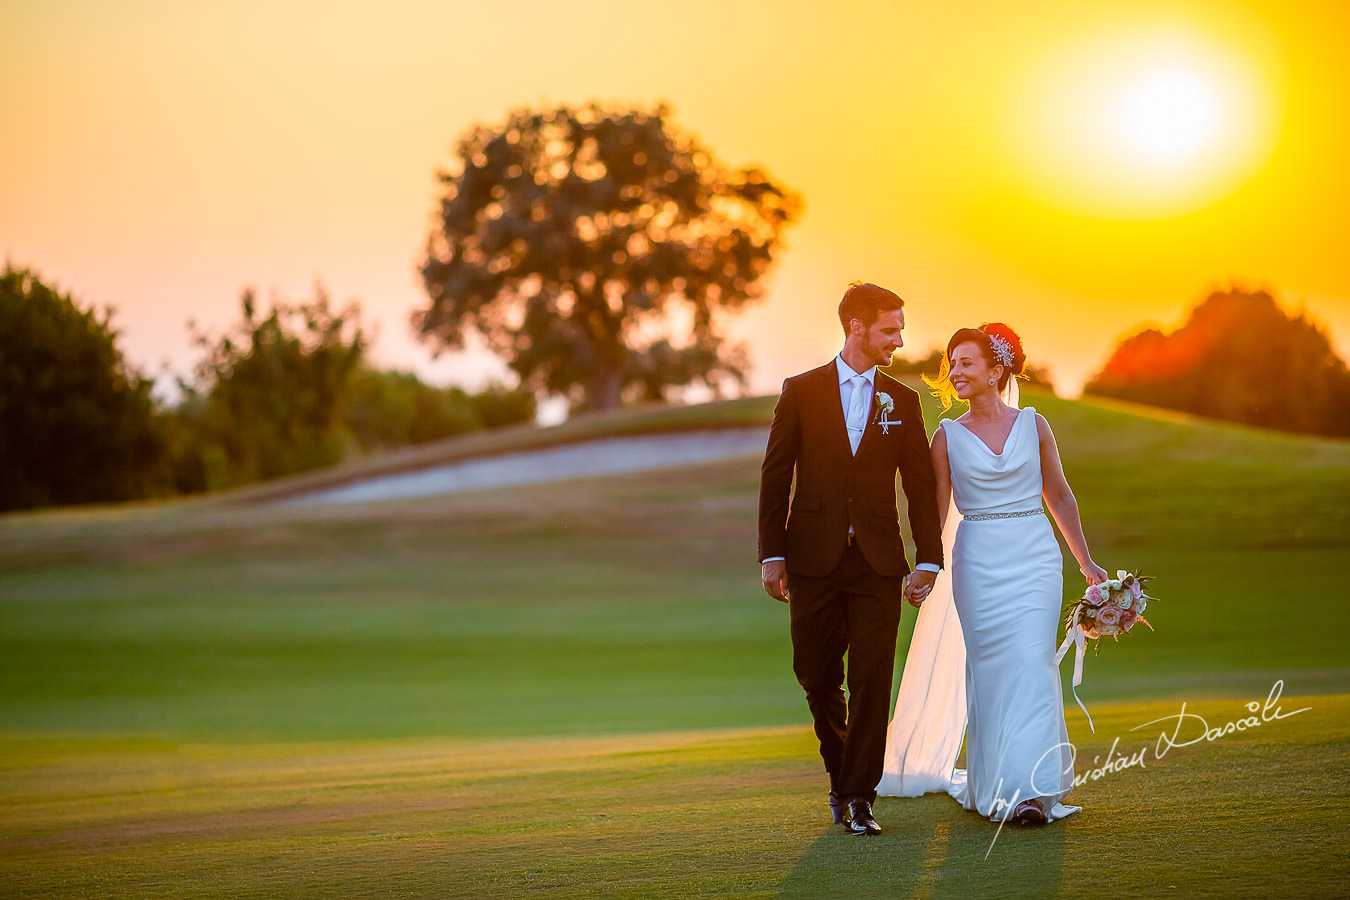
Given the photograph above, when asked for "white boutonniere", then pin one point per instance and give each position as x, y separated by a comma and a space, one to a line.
885, 406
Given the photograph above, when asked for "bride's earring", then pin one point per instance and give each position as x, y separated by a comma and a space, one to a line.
993, 381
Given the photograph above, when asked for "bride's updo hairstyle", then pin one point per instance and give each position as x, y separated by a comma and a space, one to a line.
996, 341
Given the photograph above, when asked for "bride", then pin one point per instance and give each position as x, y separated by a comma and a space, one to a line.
981, 661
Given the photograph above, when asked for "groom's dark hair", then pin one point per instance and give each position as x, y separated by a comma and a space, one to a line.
865, 302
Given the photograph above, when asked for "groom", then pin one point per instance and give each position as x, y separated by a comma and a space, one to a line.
837, 557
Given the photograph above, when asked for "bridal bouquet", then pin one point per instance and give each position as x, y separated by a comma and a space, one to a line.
1109, 609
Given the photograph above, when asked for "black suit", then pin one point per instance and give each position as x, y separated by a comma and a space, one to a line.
845, 591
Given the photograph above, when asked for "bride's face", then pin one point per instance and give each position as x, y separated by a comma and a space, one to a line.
970, 372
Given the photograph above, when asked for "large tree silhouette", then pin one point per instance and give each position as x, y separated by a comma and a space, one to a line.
1238, 357
597, 250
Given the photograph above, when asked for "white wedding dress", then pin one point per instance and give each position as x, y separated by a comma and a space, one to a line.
981, 662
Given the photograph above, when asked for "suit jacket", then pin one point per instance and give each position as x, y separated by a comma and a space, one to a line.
836, 488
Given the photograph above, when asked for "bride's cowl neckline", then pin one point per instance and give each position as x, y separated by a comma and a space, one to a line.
1007, 441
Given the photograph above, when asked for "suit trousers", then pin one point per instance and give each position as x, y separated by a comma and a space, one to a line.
853, 610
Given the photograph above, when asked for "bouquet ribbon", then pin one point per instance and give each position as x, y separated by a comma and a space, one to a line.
1078, 640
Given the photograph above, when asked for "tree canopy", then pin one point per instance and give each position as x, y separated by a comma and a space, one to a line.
77, 422
270, 395
279, 392
596, 250
291, 390
1238, 357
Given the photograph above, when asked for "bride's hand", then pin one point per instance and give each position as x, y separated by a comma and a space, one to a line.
918, 585
1094, 573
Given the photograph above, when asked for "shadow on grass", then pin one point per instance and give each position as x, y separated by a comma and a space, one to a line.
930, 846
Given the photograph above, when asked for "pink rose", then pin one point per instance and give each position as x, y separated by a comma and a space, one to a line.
1109, 615
1136, 590
1096, 596
1127, 619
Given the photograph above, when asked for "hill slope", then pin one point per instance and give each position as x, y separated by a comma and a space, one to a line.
579, 687
619, 604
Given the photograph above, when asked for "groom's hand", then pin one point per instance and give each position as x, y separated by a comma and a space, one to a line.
775, 579
919, 585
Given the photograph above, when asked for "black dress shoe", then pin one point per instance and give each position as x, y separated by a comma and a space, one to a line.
858, 818
836, 808
1029, 812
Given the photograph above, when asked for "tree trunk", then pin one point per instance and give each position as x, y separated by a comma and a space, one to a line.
605, 388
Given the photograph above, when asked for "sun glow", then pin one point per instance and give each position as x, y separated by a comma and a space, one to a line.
1142, 125
1169, 115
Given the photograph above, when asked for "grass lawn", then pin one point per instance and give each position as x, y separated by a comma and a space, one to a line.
580, 688
728, 812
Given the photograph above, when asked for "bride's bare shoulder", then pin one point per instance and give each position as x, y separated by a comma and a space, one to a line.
1043, 429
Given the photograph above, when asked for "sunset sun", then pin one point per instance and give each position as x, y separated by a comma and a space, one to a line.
1168, 115
1143, 125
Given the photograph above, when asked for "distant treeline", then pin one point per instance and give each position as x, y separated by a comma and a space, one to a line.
1238, 357
287, 390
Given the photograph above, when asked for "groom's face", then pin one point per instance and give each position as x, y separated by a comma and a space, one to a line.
882, 338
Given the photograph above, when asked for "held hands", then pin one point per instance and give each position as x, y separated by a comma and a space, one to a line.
918, 586
1094, 573
775, 579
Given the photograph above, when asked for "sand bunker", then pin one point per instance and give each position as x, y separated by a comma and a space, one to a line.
601, 457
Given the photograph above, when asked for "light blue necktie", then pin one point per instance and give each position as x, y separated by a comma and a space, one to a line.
856, 420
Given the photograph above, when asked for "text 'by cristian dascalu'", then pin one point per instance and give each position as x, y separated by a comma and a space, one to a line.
1185, 729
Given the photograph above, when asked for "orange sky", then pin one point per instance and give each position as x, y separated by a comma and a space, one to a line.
1074, 170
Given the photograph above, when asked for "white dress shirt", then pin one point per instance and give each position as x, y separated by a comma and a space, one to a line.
847, 398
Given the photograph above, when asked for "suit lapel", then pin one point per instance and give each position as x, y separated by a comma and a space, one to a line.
827, 388
868, 426
831, 400
873, 413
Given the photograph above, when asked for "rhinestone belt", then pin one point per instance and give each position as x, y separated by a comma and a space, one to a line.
985, 517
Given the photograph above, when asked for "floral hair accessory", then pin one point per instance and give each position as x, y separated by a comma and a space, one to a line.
1002, 350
